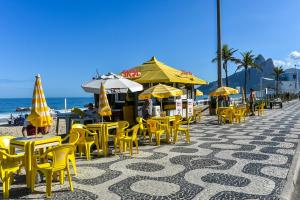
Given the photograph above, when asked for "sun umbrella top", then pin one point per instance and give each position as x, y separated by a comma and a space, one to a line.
40, 114
160, 91
199, 93
154, 71
113, 84
224, 91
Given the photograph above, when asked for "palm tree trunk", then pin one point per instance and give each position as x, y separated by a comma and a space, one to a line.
219, 43
226, 72
277, 85
245, 83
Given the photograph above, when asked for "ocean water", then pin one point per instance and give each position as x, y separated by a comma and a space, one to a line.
8, 105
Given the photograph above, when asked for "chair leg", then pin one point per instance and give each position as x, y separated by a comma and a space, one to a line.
80, 150
137, 146
130, 147
49, 184
158, 139
73, 161
33, 174
87, 152
116, 144
70, 179
150, 137
61, 177
175, 136
124, 146
6, 186
187, 135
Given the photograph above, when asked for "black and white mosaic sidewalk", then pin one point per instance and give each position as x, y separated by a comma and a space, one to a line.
241, 161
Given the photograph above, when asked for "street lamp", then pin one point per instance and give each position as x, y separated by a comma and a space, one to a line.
296, 81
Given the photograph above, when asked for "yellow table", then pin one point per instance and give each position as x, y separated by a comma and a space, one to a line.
102, 130
25, 143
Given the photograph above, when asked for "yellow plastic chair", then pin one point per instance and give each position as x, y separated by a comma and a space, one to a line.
239, 113
130, 139
78, 126
143, 126
5, 142
58, 163
179, 128
155, 129
197, 115
9, 164
73, 140
85, 141
225, 114
122, 126
260, 109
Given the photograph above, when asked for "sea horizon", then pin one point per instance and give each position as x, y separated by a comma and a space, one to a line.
8, 105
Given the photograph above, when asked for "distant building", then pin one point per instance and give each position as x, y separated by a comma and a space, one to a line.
288, 81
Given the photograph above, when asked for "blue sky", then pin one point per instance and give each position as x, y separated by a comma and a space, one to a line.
66, 40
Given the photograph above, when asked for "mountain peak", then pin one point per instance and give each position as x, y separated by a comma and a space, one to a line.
260, 59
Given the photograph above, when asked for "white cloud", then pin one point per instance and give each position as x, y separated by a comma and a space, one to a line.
294, 55
279, 63
289, 62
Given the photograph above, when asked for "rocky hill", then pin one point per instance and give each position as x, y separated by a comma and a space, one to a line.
237, 79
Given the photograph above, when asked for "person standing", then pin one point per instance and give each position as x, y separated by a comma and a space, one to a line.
252, 101
145, 109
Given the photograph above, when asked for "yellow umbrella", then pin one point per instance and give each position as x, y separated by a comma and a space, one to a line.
104, 108
160, 91
40, 115
224, 91
154, 71
199, 93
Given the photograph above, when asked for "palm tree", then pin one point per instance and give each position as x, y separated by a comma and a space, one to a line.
227, 56
277, 71
246, 62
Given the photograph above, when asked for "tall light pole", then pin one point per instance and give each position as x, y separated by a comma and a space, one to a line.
296, 81
219, 43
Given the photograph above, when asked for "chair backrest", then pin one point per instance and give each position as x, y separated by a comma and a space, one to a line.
135, 130
122, 125
83, 133
152, 125
60, 155
163, 114
5, 141
74, 137
140, 121
6, 162
78, 126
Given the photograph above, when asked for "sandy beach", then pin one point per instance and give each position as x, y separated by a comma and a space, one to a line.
16, 131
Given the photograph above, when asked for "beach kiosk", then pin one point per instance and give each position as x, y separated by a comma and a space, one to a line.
120, 93
154, 72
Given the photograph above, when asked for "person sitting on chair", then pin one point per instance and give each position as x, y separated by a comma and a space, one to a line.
31, 130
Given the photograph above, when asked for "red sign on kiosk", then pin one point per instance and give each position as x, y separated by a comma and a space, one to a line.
186, 73
131, 73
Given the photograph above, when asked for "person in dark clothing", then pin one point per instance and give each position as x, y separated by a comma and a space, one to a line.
252, 101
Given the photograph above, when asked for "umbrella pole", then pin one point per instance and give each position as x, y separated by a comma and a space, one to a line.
161, 108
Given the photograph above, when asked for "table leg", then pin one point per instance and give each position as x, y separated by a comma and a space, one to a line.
28, 164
